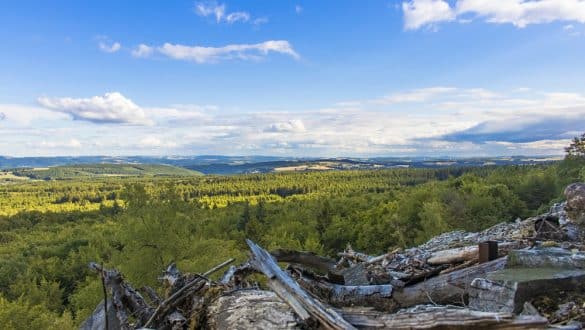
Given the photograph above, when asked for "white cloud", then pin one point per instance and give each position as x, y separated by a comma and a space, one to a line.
239, 16
520, 13
210, 8
298, 9
417, 95
293, 126
110, 108
425, 121
260, 21
142, 50
2, 116
220, 13
155, 142
72, 143
418, 13
200, 54
108, 46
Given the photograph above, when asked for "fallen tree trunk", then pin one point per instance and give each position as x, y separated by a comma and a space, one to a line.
447, 288
124, 297
377, 296
308, 259
454, 255
441, 317
467, 253
305, 306
250, 309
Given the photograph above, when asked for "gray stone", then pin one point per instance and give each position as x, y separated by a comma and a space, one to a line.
507, 290
575, 195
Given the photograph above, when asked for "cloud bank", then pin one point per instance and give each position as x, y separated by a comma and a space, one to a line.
520, 13
432, 121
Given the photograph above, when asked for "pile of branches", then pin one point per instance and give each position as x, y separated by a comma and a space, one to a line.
422, 287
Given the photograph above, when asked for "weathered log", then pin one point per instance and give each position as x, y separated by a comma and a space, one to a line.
468, 253
178, 296
454, 255
250, 309
97, 320
287, 289
307, 259
377, 296
124, 297
441, 317
447, 288
235, 275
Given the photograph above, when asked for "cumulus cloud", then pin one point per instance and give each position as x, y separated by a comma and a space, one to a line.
418, 13
111, 48
219, 12
201, 54
142, 50
108, 46
110, 108
294, 125
520, 13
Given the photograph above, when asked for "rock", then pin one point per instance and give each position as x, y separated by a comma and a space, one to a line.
558, 211
575, 195
507, 290
251, 309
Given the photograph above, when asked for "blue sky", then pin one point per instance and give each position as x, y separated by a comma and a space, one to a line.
299, 78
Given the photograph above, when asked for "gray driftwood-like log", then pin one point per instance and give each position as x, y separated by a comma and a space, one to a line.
467, 253
184, 292
447, 288
250, 310
305, 306
441, 317
97, 320
337, 295
124, 298
308, 259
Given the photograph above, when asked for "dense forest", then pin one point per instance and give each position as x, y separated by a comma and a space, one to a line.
50, 230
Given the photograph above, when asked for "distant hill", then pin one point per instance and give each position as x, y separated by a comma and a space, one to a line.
229, 165
101, 170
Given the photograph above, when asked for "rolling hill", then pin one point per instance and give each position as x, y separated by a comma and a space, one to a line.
101, 170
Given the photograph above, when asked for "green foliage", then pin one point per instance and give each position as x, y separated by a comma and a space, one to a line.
577, 147
20, 314
102, 170
51, 230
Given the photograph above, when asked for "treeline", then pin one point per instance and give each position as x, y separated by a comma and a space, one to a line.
51, 230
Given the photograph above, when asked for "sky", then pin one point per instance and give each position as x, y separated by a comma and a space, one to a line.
291, 78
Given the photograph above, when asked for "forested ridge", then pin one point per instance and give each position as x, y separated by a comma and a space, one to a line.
50, 230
